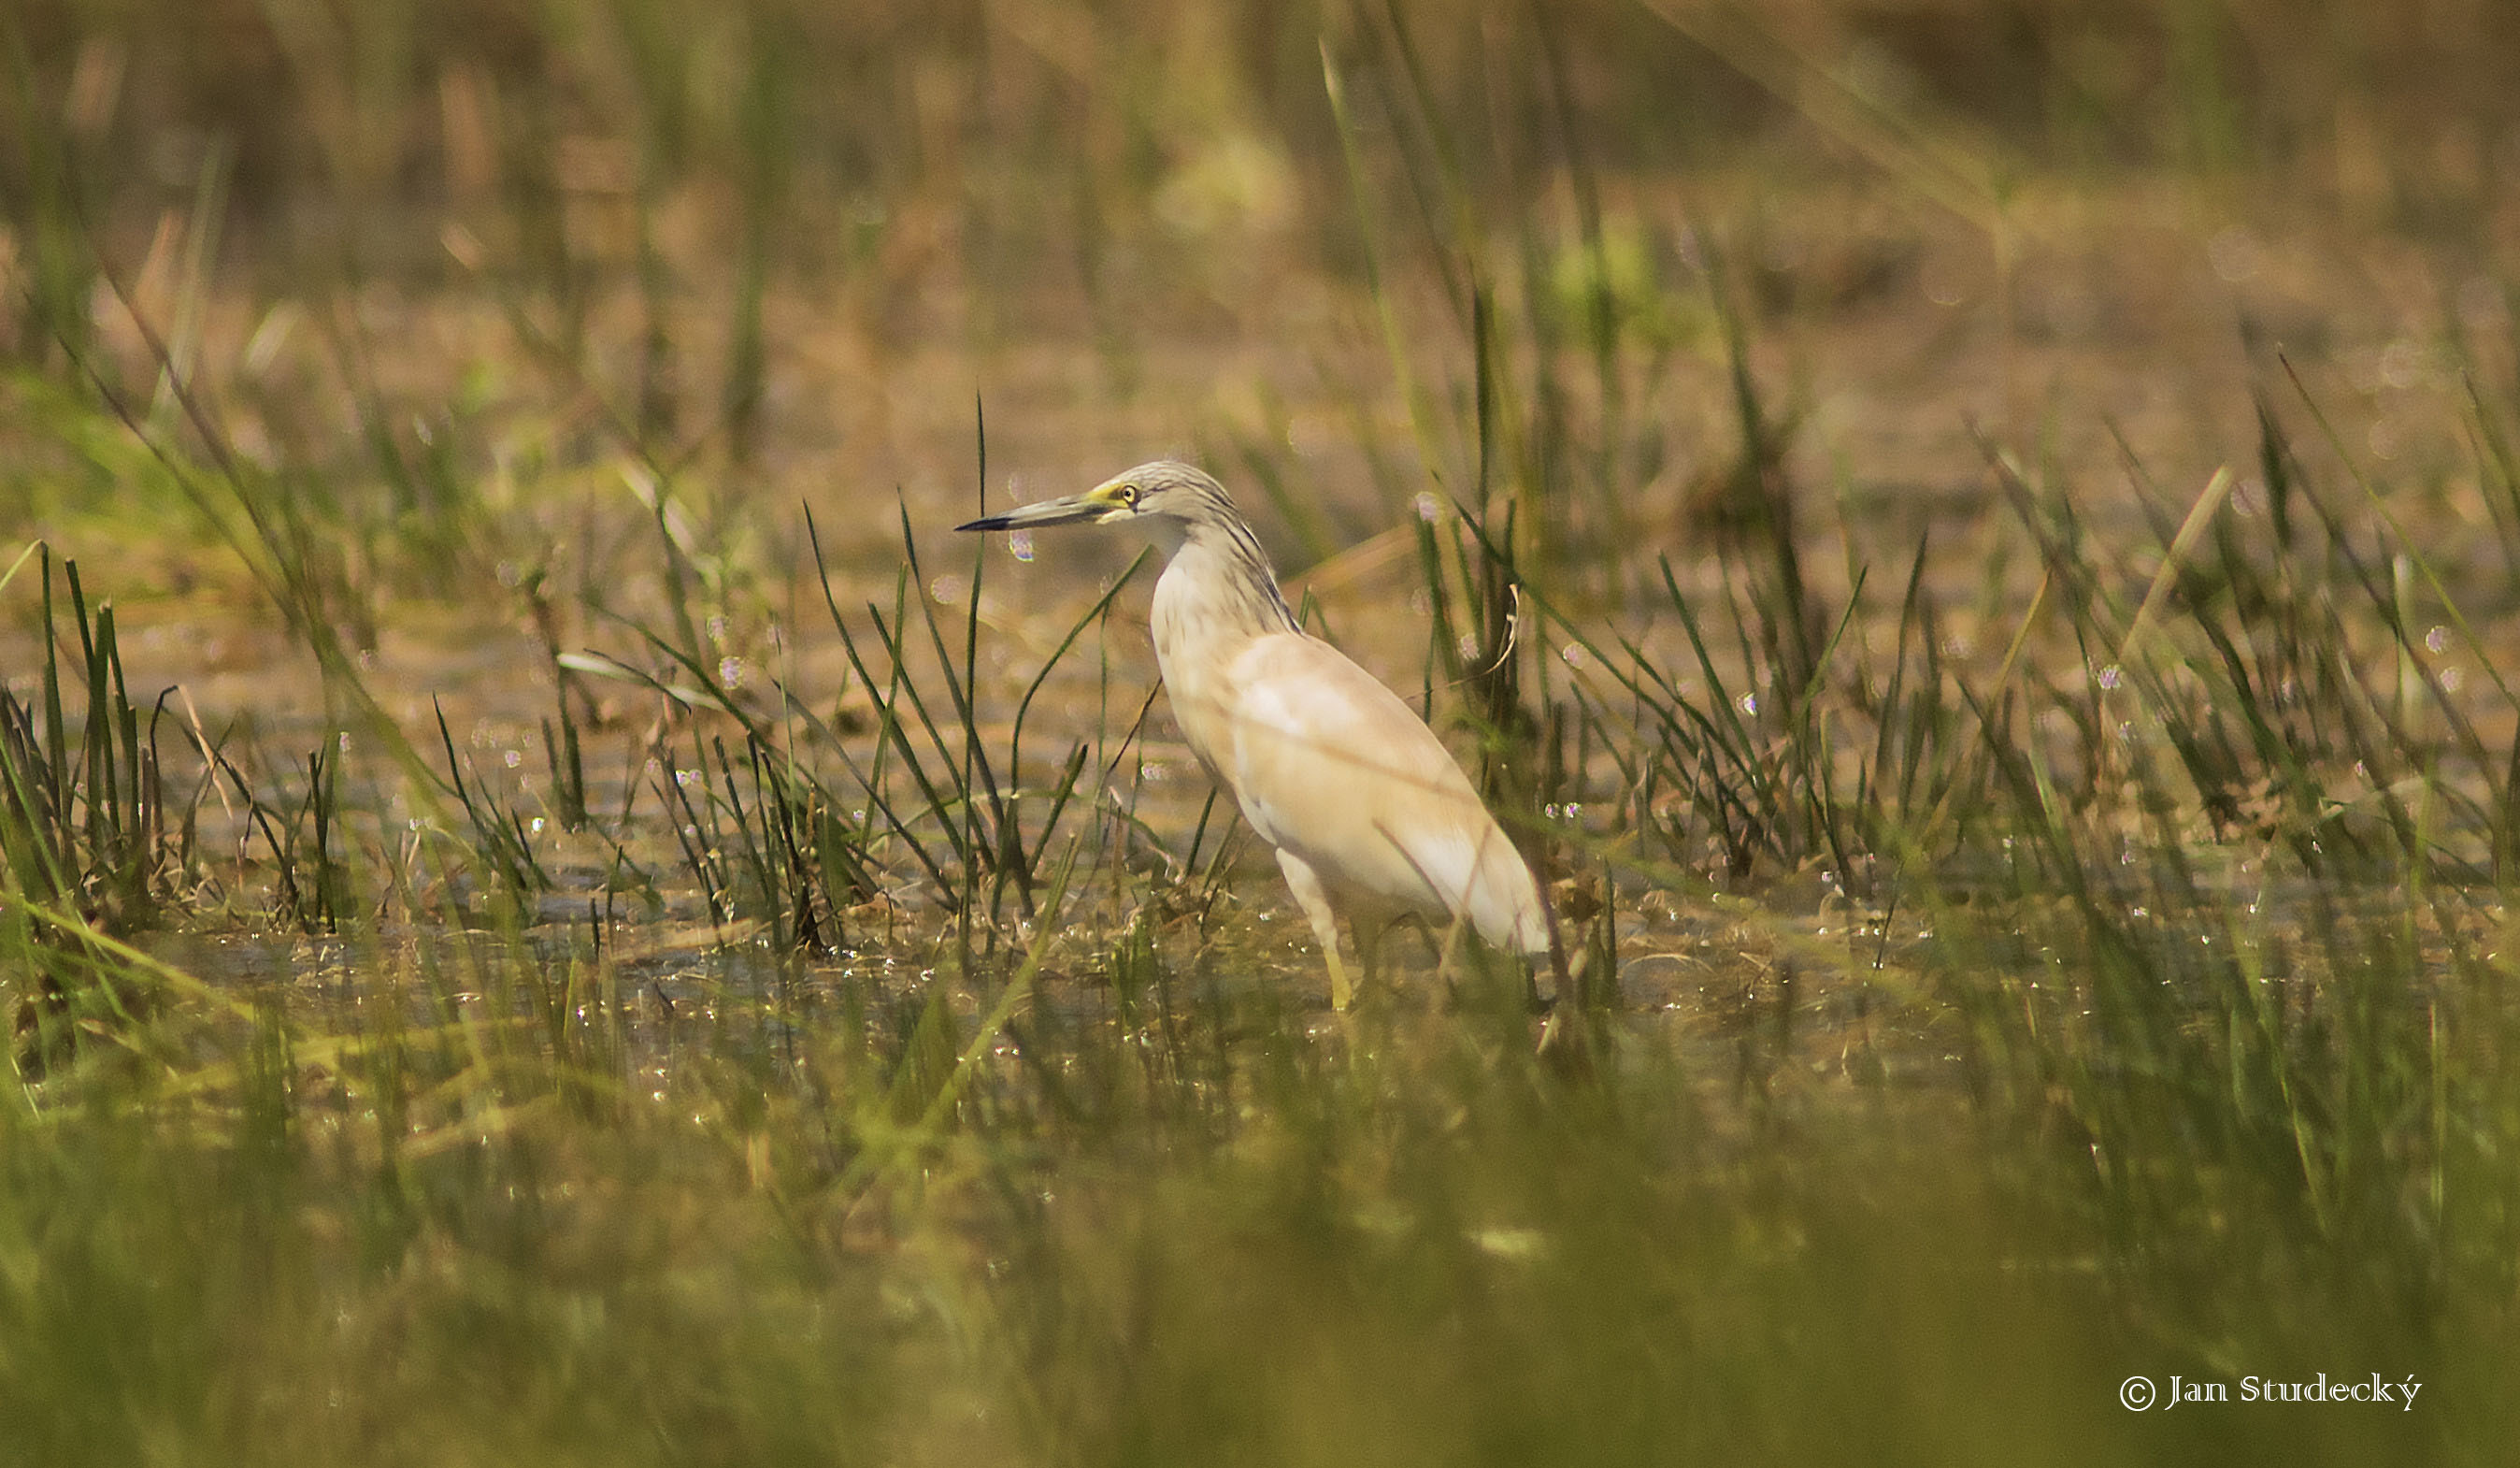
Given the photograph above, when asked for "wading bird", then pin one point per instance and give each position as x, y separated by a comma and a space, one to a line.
1369, 814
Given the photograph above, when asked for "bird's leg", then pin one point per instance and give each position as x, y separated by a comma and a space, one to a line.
1369, 930
1314, 899
1343, 991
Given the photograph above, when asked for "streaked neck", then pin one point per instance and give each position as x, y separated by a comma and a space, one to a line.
1218, 589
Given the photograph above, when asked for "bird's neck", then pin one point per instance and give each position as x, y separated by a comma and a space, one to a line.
1216, 594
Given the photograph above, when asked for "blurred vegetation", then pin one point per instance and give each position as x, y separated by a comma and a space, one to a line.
544, 911
427, 104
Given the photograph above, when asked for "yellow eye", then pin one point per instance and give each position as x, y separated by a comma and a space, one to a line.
1129, 495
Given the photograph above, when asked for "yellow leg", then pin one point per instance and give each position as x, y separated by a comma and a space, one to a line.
1314, 899
1343, 991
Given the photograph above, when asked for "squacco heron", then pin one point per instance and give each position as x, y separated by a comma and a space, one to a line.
1369, 813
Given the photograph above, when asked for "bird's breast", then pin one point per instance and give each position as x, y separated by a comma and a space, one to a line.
1203, 629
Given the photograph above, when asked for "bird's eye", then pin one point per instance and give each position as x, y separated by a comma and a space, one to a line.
1129, 495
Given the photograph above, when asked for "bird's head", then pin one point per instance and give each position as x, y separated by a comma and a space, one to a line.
1175, 506
1167, 500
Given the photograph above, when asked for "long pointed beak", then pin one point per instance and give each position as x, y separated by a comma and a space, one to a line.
1076, 509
